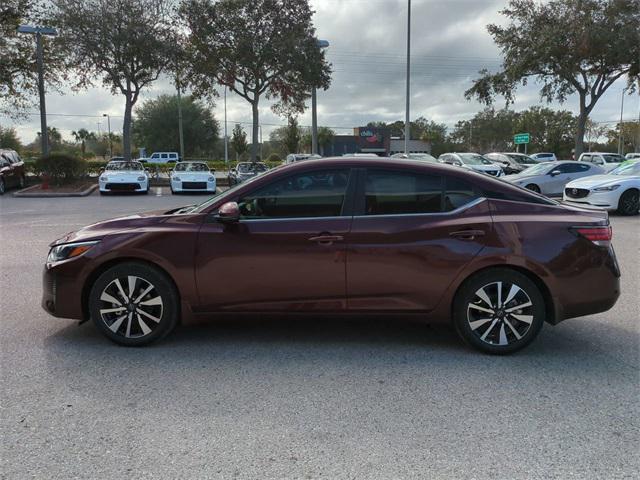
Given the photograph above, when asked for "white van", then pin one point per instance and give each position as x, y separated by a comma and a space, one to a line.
161, 157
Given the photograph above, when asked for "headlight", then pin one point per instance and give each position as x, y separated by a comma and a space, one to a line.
142, 178
69, 250
610, 188
176, 178
211, 179
104, 179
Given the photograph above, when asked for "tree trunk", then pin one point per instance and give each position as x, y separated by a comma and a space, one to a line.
126, 128
581, 128
254, 132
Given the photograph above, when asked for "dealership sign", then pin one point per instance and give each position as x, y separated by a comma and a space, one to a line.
520, 138
372, 138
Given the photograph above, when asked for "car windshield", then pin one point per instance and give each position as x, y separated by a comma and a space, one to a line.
191, 167
611, 158
522, 159
124, 166
251, 167
473, 159
539, 169
628, 169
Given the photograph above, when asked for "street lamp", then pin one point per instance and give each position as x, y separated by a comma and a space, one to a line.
314, 111
620, 144
39, 32
407, 122
109, 130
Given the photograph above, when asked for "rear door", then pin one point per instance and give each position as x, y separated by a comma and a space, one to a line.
412, 234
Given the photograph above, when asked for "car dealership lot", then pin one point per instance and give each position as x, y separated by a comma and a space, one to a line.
280, 398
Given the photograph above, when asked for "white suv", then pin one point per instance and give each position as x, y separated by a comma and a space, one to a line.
162, 157
544, 157
608, 161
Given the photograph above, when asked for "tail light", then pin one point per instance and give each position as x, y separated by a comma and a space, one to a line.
599, 235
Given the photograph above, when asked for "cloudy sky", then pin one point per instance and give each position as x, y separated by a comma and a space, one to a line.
367, 39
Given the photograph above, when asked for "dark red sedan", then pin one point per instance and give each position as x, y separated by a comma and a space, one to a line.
347, 235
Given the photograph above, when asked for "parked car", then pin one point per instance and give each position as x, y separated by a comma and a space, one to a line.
124, 177
472, 161
608, 161
11, 170
192, 177
161, 157
544, 157
425, 157
438, 243
632, 156
298, 157
246, 170
618, 190
549, 178
511, 162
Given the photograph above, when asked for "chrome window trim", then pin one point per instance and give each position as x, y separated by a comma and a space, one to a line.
245, 220
464, 207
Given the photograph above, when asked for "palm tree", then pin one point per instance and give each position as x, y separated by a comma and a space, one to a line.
82, 136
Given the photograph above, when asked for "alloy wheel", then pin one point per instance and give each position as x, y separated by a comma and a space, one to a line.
629, 203
500, 313
131, 307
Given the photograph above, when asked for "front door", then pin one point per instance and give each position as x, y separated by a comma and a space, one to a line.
287, 252
411, 236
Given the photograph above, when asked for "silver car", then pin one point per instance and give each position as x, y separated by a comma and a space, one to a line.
472, 161
549, 178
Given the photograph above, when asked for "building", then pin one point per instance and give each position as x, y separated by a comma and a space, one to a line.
372, 140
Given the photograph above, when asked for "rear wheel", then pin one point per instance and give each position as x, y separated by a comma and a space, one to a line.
499, 311
533, 187
134, 304
629, 203
2, 186
21, 182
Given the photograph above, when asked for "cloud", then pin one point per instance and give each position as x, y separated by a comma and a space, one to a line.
367, 49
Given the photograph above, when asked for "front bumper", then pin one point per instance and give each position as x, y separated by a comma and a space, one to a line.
138, 186
193, 186
601, 200
62, 289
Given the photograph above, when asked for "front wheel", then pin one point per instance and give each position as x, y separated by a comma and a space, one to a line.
21, 182
2, 186
629, 203
134, 304
499, 311
533, 187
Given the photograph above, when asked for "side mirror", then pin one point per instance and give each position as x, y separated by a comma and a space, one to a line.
228, 213
553, 173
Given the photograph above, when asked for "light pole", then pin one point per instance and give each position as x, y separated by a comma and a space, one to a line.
109, 130
620, 146
407, 122
226, 140
314, 110
39, 32
180, 133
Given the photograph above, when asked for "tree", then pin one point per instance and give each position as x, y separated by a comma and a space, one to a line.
550, 130
630, 136
488, 131
292, 136
569, 46
18, 73
593, 132
156, 126
255, 48
325, 137
126, 44
239, 140
82, 136
55, 138
9, 139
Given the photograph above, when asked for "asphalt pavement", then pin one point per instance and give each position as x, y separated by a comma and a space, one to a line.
300, 399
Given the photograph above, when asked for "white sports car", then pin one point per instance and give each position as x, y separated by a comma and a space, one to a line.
549, 178
618, 190
192, 177
121, 176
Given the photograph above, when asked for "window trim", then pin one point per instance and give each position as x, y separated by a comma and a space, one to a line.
347, 204
461, 208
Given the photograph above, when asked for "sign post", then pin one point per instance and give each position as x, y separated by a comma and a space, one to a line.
521, 139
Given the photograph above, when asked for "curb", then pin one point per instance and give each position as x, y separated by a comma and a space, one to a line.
35, 192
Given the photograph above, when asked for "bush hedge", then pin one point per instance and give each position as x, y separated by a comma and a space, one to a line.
60, 168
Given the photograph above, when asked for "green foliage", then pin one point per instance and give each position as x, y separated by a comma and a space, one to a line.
239, 140
156, 126
82, 136
9, 139
274, 158
567, 46
256, 48
60, 168
291, 138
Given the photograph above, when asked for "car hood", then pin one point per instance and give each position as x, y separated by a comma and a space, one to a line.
599, 181
119, 173
517, 177
484, 168
99, 230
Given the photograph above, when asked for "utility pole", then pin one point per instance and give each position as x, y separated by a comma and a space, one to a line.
314, 108
39, 32
620, 135
407, 122
226, 142
109, 130
180, 134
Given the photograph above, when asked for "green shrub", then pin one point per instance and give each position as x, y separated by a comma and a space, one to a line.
60, 168
274, 157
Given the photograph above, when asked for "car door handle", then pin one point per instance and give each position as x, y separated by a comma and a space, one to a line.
326, 239
467, 234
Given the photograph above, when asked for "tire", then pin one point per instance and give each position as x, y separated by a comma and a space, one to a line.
104, 193
491, 328
629, 203
2, 186
140, 323
22, 182
533, 187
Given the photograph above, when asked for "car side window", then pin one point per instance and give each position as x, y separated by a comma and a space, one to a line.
572, 168
164, 155
457, 193
389, 192
319, 193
